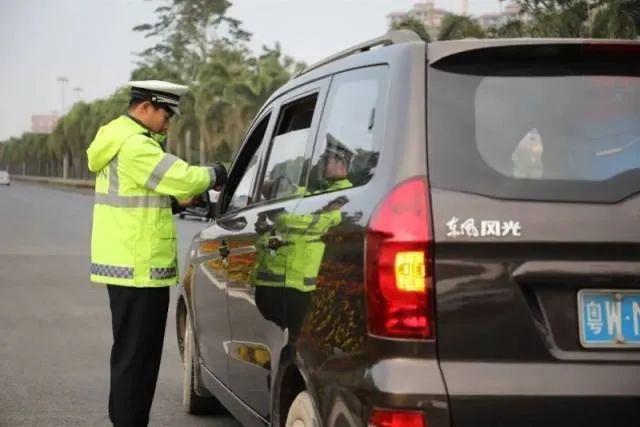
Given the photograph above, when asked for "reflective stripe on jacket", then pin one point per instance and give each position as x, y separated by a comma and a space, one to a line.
133, 241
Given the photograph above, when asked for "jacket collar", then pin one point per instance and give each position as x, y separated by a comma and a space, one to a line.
157, 137
139, 123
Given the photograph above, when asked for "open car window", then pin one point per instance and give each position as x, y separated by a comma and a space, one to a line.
286, 163
246, 172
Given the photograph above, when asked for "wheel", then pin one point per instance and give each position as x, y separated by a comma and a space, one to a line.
191, 402
302, 412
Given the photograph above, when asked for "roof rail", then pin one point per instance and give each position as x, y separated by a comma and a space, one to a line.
392, 37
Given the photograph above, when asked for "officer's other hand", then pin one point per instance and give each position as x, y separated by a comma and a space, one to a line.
191, 201
221, 176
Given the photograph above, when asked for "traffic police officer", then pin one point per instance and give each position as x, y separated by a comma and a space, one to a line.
133, 244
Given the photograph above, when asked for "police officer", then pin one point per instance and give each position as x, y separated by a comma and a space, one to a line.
133, 244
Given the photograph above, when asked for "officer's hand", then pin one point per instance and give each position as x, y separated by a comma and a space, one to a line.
188, 202
221, 175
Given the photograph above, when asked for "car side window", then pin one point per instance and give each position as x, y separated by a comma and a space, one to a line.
241, 196
285, 168
351, 129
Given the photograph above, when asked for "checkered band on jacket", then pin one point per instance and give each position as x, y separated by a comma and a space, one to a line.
112, 271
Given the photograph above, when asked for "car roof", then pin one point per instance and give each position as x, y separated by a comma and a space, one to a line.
375, 51
381, 49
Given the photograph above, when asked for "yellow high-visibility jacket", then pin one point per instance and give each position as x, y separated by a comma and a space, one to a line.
133, 241
296, 264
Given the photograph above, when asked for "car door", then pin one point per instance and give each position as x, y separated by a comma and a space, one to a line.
209, 294
258, 247
329, 313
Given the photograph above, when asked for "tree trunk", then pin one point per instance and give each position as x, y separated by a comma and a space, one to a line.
77, 167
203, 155
187, 146
179, 148
65, 166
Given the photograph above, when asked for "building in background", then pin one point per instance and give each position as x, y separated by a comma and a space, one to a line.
43, 123
431, 17
425, 12
496, 20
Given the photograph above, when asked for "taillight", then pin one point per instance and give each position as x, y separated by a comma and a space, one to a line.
386, 418
399, 264
629, 50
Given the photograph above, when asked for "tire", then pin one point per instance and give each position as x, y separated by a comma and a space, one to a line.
302, 412
191, 402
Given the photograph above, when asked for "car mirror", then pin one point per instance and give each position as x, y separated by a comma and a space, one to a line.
210, 201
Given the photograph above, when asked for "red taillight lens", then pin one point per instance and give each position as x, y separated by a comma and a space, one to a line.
384, 418
399, 265
629, 50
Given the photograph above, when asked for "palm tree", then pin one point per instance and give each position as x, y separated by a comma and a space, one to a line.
567, 19
512, 29
231, 87
73, 127
58, 145
456, 27
212, 101
415, 25
617, 19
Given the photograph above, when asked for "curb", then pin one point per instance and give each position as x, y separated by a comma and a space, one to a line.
57, 181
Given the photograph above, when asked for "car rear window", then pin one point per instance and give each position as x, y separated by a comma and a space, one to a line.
560, 125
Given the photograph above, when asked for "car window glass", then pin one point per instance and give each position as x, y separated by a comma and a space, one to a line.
285, 167
347, 148
536, 124
597, 138
242, 194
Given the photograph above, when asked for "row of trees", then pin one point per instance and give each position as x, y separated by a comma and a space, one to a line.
198, 44
614, 19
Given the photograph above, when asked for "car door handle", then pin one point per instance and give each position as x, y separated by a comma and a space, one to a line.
223, 250
275, 242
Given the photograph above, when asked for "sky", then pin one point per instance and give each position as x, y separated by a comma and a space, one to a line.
92, 44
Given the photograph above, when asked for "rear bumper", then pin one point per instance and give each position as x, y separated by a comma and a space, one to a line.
549, 394
349, 395
483, 394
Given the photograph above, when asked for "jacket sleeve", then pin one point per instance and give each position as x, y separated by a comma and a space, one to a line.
142, 159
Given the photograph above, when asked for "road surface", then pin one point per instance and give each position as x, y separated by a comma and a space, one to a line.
55, 331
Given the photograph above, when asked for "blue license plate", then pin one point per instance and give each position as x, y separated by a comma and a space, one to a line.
609, 318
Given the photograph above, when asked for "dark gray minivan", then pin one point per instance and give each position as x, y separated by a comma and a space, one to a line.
428, 235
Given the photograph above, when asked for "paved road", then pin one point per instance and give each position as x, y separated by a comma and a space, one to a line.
55, 326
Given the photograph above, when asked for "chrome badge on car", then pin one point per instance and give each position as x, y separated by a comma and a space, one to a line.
484, 228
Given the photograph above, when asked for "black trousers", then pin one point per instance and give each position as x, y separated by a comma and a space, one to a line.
138, 318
